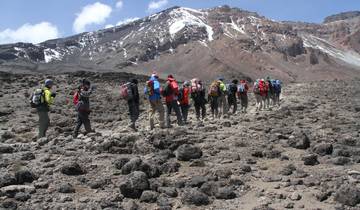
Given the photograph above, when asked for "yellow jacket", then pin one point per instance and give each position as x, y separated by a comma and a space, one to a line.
222, 86
48, 99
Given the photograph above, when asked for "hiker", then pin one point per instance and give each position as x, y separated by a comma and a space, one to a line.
152, 90
82, 106
258, 98
242, 91
213, 98
232, 90
264, 90
198, 96
270, 94
171, 93
130, 92
277, 92
222, 97
42, 99
184, 93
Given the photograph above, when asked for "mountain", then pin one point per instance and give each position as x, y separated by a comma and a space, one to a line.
203, 43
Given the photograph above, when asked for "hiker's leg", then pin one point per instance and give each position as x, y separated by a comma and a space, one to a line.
203, 110
168, 113
152, 110
78, 125
86, 121
161, 111
177, 112
197, 111
43, 123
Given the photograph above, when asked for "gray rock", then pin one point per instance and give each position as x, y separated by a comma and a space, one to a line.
22, 196
119, 163
188, 152
65, 188
149, 196
11, 190
301, 141
7, 179
197, 181
225, 193
169, 191
5, 148
310, 160
194, 197
135, 184
340, 161
348, 195
72, 169
24, 175
323, 149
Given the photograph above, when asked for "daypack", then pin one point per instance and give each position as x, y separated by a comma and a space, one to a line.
76, 98
37, 98
150, 88
256, 88
167, 90
241, 88
180, 96
262, 87
277, 86
214, 90
126, 92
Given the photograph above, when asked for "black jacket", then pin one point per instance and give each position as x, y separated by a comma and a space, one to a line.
135, 94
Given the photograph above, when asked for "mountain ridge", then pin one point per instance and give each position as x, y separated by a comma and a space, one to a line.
217, 41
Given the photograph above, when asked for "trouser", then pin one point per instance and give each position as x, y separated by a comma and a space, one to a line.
269, 99
277, 99
44, 122
156, 106
82, 118
133, 112
263, 99
214, 105
169, 107
259, 102
222, 105
198, 107
232, 103
184, 111
244, 102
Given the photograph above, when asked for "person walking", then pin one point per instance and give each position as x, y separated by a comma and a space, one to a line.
133, 102
213, 98
222, 97
198, 95
184, 95
152, 91
232, 100
82, 105
242, 90
258, 98
42, 99
171, 93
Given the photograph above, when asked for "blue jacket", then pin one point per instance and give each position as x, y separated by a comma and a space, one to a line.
156, 95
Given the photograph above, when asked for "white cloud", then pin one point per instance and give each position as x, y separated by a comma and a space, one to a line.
119, 4
109, 26
30, 33
154, 5
95, 13
126, 21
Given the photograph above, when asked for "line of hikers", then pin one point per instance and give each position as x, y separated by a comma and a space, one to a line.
221, 97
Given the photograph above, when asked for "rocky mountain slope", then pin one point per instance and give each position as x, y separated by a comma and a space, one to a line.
202, 43
303, 155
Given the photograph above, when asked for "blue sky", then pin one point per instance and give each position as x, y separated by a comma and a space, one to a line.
39, 20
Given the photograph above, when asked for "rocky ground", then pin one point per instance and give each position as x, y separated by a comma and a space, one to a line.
303, 155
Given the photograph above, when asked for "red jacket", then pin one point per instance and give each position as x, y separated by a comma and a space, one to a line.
185, 96
175, 90
263, 88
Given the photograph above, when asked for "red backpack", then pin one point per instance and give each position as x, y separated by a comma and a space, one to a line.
76, 98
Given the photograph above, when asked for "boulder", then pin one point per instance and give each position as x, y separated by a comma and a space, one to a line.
348, 195
135, 184
301, 141
188, 152
24, 175
225, 193
149, 196
119, 163
5, 148
72, 169
194, 197
66, 188
7, 179
323, 149
310, 160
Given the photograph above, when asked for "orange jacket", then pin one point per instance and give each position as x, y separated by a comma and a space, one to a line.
185, 96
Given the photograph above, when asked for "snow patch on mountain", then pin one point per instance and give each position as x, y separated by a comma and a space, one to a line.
52, 55
183, 17
349, 57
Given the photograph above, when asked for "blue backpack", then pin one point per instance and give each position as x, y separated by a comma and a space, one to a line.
277, 86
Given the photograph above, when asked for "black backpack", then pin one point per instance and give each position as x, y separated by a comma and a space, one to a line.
167, 90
